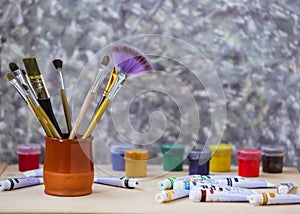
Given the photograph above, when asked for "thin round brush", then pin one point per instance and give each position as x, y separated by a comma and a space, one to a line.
128, 61
58, 65
17, 86
90, 96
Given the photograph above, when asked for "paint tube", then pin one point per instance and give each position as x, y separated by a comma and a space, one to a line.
168, 182
245, 182
15, 183
170, 195
273, 198
34, 173
284, 188
188, 184
226, 194
125, 182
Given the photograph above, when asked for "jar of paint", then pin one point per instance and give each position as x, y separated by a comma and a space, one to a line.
221, 157
272, 158
199, 161
68, 167
136, 162
29, 156
248, 162
172, 156
117, 155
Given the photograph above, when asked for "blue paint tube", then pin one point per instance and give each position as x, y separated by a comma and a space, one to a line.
16, 183
124, 182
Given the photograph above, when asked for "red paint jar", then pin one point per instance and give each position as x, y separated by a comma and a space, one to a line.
248, 162
29, 156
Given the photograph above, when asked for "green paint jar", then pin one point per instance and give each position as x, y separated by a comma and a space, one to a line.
172, 157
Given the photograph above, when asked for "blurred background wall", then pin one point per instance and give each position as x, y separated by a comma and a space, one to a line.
253, 45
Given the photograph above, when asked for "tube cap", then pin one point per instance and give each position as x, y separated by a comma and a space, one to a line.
255, 199
165, 184
160, 197
195, 194
272, 150
171, 148
221, 148
136, 154
249, 154
132, 182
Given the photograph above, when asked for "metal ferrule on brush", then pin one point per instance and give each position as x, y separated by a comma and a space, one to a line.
18, 75
117, 85
98, 80
62, 86
19, 89
37, 83
110, 83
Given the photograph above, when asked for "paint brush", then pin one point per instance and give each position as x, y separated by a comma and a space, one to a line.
40, 89
90, 96
97, 116
25, 95
41, 115
58, 65
128, 60
17, 86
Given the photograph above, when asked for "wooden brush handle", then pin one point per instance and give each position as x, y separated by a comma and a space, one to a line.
66, 109
47, 107
81, 115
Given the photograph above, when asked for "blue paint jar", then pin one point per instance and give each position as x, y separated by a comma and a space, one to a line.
117, 155
199, 161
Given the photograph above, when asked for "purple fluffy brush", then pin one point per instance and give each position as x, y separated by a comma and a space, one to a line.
128, 61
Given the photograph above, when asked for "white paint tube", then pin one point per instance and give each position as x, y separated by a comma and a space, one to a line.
273, 198
227, 194
34, 173
284, 188
170, 195
125, 182
15, 183
168, 182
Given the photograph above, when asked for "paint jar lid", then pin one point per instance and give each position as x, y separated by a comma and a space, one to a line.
272, 150
220, 148
136, 154
196, 154
249, 154
172, 149
29, 149
119, 148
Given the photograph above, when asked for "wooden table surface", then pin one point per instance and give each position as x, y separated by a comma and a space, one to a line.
107, 199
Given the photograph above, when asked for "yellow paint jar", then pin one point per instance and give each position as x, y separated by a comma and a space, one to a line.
221, 157
136, 162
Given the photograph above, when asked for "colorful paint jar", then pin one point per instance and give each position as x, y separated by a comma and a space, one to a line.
117, 155
172, 156
29, 156
136, 162
272, 158
248, 162
199, 161
221, 157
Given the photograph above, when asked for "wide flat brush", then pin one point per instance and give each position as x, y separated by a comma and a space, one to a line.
90, 96
58, 65
128, 60
40, 89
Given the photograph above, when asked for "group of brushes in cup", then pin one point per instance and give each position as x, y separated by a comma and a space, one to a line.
31, 86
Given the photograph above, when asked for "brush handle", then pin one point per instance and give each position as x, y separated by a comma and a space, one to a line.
47, 107
66, 109
99, 103
81, 115
96, 118
39, 117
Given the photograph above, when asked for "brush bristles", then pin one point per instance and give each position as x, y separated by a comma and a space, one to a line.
57, 63
31, 66
105, 60
13, 66
10, 76
130, 60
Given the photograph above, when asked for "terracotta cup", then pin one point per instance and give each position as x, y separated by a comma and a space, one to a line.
68, 167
